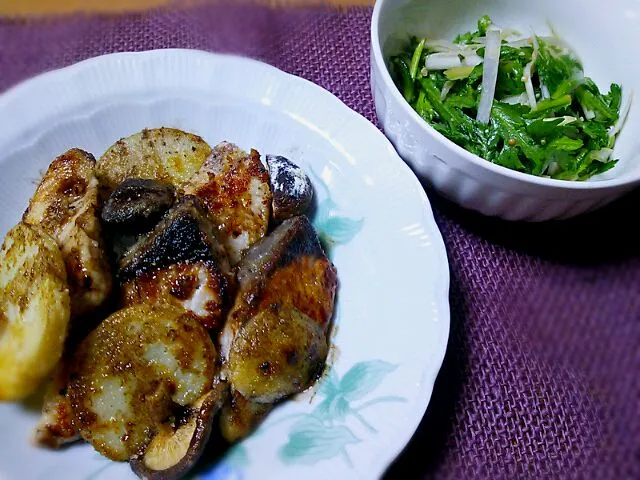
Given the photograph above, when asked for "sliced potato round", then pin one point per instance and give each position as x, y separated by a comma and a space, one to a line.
34, 310
278, 352
164, 154
131, 371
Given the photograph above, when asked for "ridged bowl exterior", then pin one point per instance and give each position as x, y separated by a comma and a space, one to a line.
475, 183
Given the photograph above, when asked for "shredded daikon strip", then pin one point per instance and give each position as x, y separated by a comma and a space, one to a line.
526, 77
506, 34
489, 74
544, 90
446, 46
521, 99
445, 61
519, 43
602, 155
445, 89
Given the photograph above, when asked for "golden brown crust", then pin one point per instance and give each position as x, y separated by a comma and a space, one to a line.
34, 301
57, 424
307, 283
65, 205
198, 287
235, 188
127, 375
278, 352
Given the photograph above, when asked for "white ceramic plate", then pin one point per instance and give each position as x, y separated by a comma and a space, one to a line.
392, 319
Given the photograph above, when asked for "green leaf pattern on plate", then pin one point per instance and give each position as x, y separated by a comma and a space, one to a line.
324, 433
332, 226
310, 440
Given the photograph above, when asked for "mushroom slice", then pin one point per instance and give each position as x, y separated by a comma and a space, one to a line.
178, 446
136, 203
239, 417
292, 189
132, 371
133, 209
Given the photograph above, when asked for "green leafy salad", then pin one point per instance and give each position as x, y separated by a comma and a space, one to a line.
520, 102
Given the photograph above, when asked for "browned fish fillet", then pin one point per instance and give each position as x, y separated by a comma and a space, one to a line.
57, 425
65, 205
234, 187
185, 234
199, 287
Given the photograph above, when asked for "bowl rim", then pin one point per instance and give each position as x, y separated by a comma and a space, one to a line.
551, 183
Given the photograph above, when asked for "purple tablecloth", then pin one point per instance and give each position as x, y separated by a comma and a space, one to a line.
541, 378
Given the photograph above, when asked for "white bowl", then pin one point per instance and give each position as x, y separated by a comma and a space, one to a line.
605, 37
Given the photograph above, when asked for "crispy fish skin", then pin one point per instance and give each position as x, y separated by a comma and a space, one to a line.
65, 205
235, 188
184, 234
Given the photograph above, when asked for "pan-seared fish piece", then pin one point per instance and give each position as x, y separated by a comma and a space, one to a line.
180, 262
164, 154
184, 234
287, 267
275, 341
199, 287
65, 205
234, 187
57, 425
